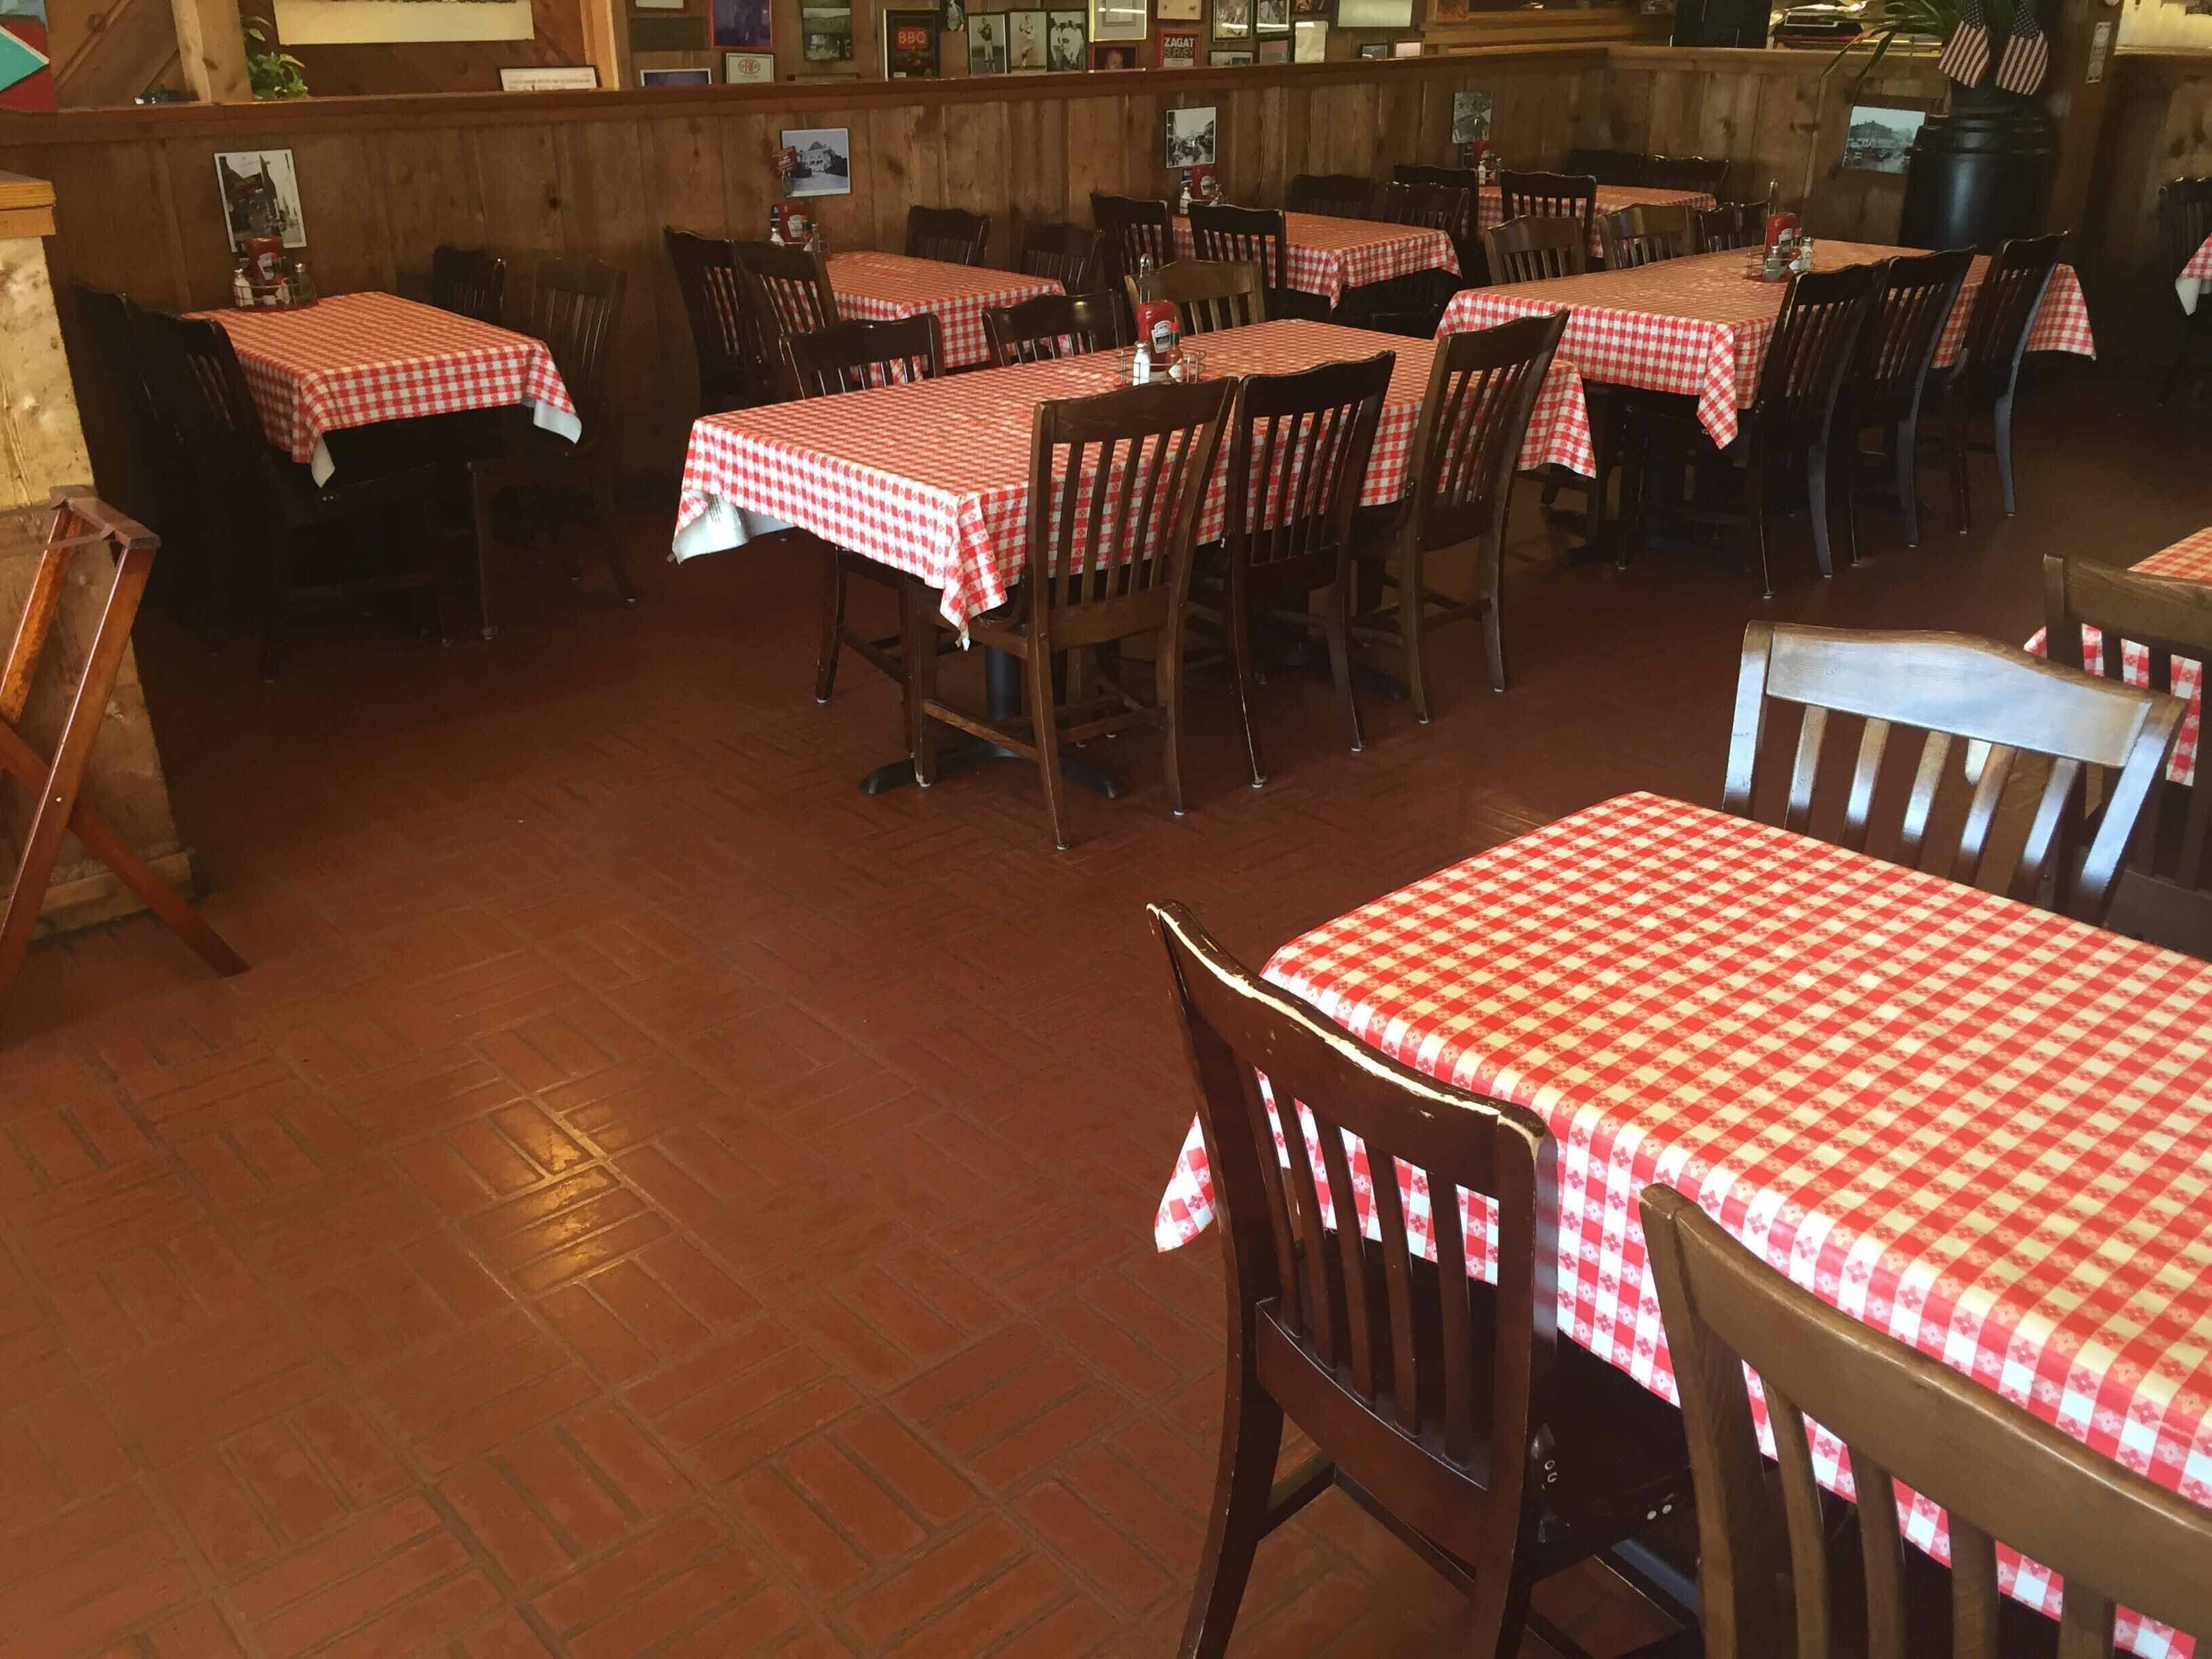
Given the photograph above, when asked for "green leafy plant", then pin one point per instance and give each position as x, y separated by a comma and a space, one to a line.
272, 71
1889, 22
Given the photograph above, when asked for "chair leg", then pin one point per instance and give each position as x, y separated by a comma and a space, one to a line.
2003, 441
1962, 495
610, 527
274, 602
1498, 1613
481, 490
1816, 487
1757, 480
918, 656
1412, 632
1334, 623
1044, 713
833, 624
1251, 1439
1847, 451
1908, 478
1167, 690
1245, 669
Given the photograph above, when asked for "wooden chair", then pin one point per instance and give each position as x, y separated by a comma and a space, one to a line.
79, 530
469, 281
1466, 179
2163, 893
1447, 208
1535, 250
1446, 1407
1647, 234
1732, 225
1134, 229
1792, 416
1913, 298
1208, 295
1980, 385
2185, 221
1116, 485
1074, 256
787, 292
266, 507
1233, 235
1298, 447
1999, 1472
156, 463
1482, 390
1549, 196
732, 373
1608, 166
855, 357
1334, 195
575, 309
1953, 687
1053, 326
1703, 175
951, 234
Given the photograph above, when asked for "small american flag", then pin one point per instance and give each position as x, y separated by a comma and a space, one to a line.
1966, 57
2026, 55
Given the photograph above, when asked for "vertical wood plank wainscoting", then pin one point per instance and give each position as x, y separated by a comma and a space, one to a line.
385, 179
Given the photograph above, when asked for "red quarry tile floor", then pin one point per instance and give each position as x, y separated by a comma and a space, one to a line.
648, 1199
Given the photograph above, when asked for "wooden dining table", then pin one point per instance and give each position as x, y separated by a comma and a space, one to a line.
885, 287
1699, 326
1330, 256
1981, 1128
356, 359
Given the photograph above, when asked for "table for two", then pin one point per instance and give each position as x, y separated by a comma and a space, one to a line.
885, 287
1330, 256
1976, 1126
1490, 207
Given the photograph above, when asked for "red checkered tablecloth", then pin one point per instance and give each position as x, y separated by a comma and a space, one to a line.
1977, 1125
1490, 211
356, 359
1327, 256
1700, 327
2189, 560
933, 478
883, 287
2194, 276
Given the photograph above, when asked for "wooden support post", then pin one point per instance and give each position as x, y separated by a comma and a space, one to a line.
211, 51
606, 40
2077, 105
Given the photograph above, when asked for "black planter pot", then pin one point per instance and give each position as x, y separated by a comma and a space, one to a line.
1979, 172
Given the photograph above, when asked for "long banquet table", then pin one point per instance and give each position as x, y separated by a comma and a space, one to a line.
932, 478
1698, 327
1977, 1125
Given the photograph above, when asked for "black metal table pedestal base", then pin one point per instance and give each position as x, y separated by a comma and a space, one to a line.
1002, 684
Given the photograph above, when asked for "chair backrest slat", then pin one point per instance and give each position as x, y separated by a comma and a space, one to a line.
1549, 196
859, 357
1732, 225
1258, 235
1646, 233
732, 372
1535, 250
1134, 229
1493, 1382
1988, 694
1053, 325
1336, 195
1298, 449
1209, 295
953, 235
1996, 1470
1704, 175
2006, 301
469, 281
787, 291
1913, 299
1809, 354
576, 308
1074, 256
1482, 392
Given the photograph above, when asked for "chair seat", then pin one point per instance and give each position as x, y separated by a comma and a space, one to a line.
302, 501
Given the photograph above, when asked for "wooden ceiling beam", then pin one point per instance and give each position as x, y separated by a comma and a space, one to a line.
211, 50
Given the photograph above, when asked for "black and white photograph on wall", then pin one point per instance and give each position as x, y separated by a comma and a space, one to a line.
828, 31
1309, 41
1025, 41
1274, 16
825, 160
260, 196
1232, 20
952, 17
1228, 60
1190, 137
1470, 117
1114, 20
1878, 139
1067, 42
986, 43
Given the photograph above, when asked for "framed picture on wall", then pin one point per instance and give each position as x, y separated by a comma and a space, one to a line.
1405, 48
1067, 42
1272, 16
1309, 7
549, 78
1375, 15
675, 77
744, 25
1229, 59
1309, 41
986, 43
1025, 41
1376, 49
826, 34
1274, 49
909, 46
1113, 54
658, 5
1119, 20
1178, 49
1470, 117
1189, 139
1179, 11
825, 158
747, 68
260, 196
1232, 20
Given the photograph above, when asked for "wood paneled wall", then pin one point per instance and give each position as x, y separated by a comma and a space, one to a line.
2159, 126
385, 179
